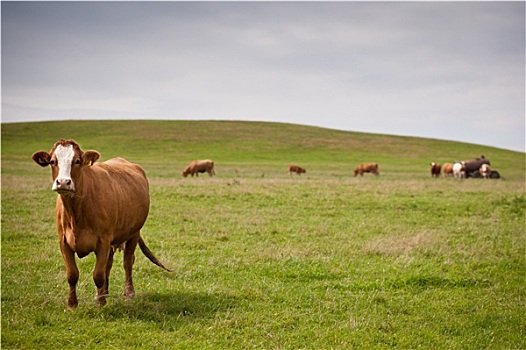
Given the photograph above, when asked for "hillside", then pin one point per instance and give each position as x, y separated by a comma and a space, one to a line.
264, 260
268, 146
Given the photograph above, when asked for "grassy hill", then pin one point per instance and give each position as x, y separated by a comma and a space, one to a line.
267, 147
270, 261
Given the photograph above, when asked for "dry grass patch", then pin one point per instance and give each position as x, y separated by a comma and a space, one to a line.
401, 245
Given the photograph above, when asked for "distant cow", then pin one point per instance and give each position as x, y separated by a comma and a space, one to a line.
494, 175
485, 171
447, 168
296, 169
366, 168
472, 166
435, 169
100, 207
199, 166
459, 170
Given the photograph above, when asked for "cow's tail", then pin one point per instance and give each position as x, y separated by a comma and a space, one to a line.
146, 251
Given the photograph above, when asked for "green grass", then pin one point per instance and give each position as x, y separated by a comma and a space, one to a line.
270, 261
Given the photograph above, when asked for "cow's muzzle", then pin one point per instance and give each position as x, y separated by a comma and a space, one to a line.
63, 185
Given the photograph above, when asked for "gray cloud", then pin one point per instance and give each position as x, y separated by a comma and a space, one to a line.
443, 70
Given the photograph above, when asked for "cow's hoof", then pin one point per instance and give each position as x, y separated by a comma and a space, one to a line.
129, 294
101, 300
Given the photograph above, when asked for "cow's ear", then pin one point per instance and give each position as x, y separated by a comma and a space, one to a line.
42, 158
90, 157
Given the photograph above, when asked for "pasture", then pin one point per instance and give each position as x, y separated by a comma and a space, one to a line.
266, 260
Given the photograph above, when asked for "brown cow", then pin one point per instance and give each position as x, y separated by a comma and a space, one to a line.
199, 166
435, 169
366, 168
296, 169
100, 207
447, 169
473, 166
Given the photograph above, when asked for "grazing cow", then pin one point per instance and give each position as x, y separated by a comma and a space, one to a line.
447, 168
200, 166
435, 169
459, 170
100, 207
366, 168
296, 169
472, 166
485, 171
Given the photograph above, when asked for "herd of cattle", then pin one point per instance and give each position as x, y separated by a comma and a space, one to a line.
101, 207
207, 166
476, 168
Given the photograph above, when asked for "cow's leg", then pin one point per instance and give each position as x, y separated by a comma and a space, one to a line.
72, 274
129, 260
108, 269
99, 274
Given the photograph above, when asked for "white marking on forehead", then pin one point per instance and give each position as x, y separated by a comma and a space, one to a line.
64, 153
64, 159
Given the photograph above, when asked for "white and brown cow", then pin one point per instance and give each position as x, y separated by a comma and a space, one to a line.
199, 166
296, 169
100, 207
485, 171
459, 170
366, 168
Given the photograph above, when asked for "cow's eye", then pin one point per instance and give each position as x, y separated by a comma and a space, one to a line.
52, 162
77, 162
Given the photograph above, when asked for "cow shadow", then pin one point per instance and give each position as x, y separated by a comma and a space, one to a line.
178, 307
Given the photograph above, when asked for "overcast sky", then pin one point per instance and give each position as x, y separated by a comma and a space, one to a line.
446, 70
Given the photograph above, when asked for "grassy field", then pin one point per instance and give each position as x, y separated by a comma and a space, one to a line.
266, 260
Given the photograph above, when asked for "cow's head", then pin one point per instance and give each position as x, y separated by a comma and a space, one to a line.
66, 160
